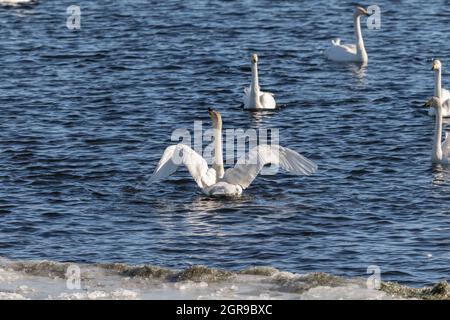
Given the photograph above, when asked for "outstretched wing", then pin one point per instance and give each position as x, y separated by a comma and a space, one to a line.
249, 166
180, 154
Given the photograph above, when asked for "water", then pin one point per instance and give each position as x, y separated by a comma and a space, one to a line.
86, 116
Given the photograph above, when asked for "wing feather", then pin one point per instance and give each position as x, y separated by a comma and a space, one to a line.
180, 154
249, 166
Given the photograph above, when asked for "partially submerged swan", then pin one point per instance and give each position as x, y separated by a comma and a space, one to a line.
254, 98
439, 91
441, 150
350, 52
216, 181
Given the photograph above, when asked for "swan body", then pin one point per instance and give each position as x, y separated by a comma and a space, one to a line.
17, 2
350, 52
254, 98
439, 91
216, 181
441, 150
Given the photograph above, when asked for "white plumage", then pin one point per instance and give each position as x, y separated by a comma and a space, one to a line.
439, 91
254, 98
17, 2
214, 181
350, 52
441, 150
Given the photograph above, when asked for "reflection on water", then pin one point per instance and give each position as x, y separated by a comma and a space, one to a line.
359, 70
258, 116
441, 174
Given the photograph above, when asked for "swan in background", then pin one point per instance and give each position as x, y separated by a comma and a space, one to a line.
216, 181
17, 2
350, 52
254, 98
441, 150
439, 91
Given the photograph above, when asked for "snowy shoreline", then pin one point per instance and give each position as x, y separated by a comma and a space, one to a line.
55, 280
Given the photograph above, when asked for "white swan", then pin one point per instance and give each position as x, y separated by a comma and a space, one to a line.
441, 150
17, 2
350, 52
254, 98
216, 181
439, 91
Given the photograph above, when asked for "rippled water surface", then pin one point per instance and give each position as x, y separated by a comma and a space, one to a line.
86, 115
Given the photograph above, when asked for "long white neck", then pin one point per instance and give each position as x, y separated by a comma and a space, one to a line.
438, 83
254, 87
437, 145
218, 157
360, 49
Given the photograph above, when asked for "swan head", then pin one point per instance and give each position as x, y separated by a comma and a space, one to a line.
215, 117
254, 58
434, 102
360, 11
436, 65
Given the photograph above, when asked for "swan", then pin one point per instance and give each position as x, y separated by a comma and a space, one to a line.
17, 2
441, 150
439, 91
216, 181
254, 98
350, 52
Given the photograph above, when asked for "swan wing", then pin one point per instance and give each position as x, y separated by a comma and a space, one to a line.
249, 166
445, 94
341, 52
267, 100
180, 154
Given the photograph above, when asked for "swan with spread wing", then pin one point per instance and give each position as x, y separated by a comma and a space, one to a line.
215, 181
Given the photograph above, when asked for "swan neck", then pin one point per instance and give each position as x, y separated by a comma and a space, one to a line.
438, 83
437, 147
218, 157
360, 49
254, 87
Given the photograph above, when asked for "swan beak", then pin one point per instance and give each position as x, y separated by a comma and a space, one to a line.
428, 103
366, 13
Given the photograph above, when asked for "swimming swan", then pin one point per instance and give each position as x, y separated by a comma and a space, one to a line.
17, 2
441, 150
439, 91
350, 52
254, 98
216, 181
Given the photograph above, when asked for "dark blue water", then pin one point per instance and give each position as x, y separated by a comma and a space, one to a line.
86, 115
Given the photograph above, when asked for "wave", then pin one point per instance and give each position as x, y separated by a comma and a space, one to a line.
58, 280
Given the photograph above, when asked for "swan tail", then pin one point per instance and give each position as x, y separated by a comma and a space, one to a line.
336, 42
